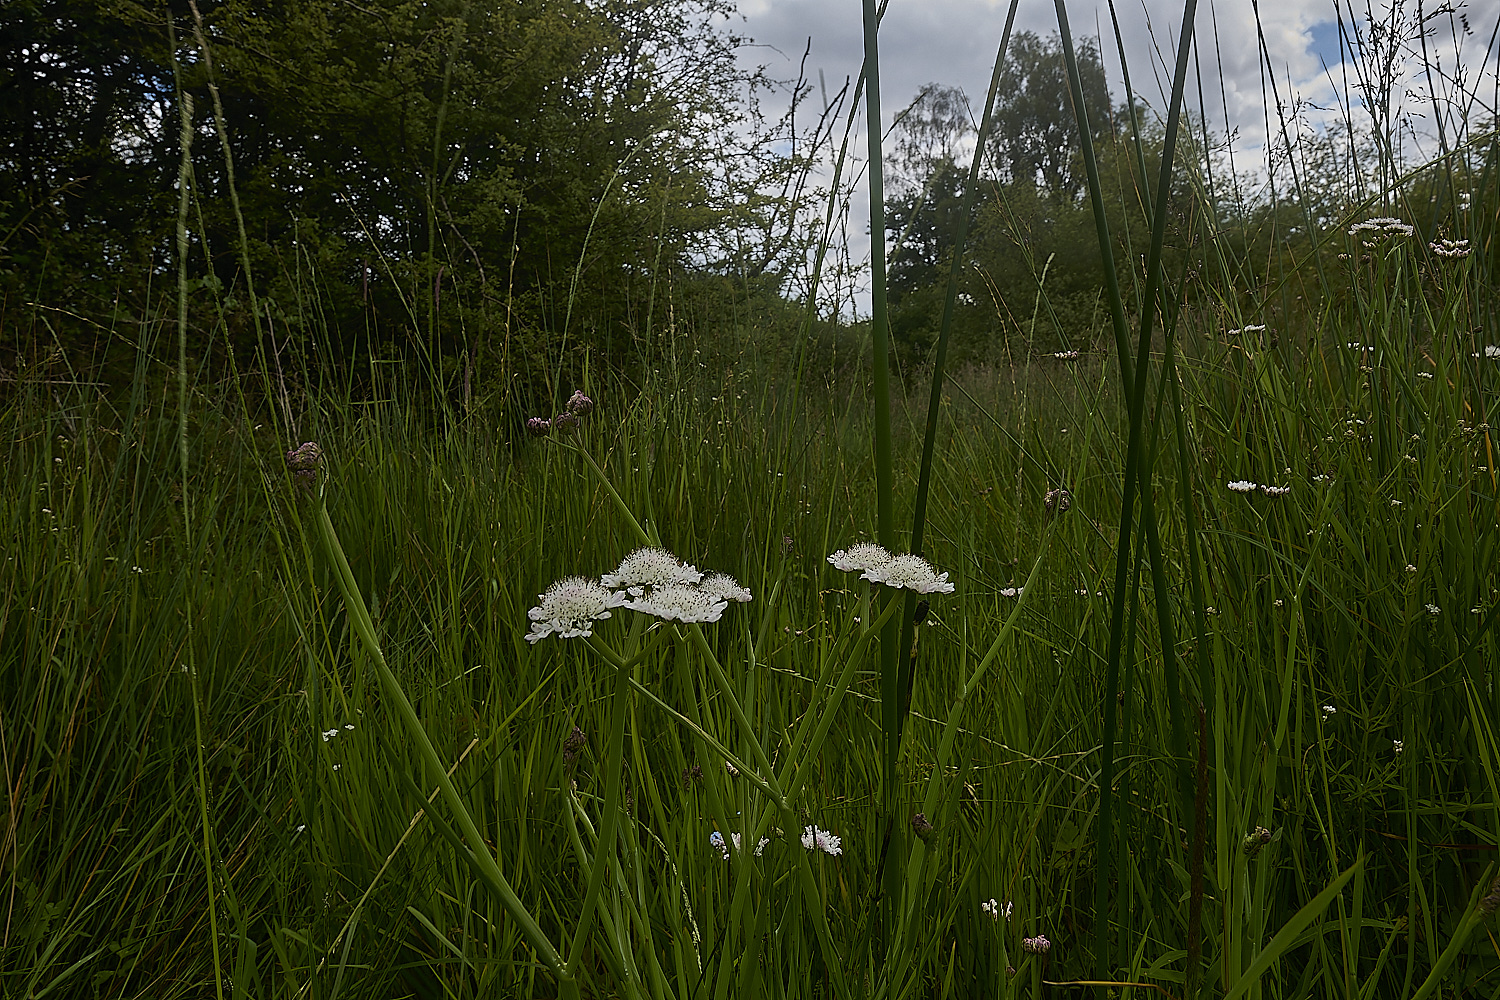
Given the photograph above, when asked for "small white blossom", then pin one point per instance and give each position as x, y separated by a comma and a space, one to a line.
1451, 248
680, 602
1327, 711
650, 567
1251, 328
860, 557
815, 839
1276, 491
724, 587
910, 572
1016, 591
1432, 609
570, 607
1396, 746
1243, 486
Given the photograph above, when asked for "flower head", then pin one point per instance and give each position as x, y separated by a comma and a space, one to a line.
570, 607
1038, 945
910, 572
579, 404
1452, 249
538, 426
1276, 491
861, 557
680, 602
650, 567
816, 839
1243, 486
725, 588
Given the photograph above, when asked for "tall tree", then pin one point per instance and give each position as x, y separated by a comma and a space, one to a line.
1034, 132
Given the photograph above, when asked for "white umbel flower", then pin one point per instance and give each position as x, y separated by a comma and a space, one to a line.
1243, 486
816, 839
910, 572
860, 557
680, 602
650, 567
725, 588
570, 607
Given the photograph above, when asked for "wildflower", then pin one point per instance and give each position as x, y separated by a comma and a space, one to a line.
991, 909
570, 607
1397, 746
1384, 226
1058, 501
1065, 355
862, 556
1243, 486
1327, 711
716, 841
573, 745
1038, 945
1432, 609
724, 587
911, 572
1453, 249
1491, 352
1395, 503
1276, 491
300, 827
922, 827
538, 427
1410, 568
814, 838
692, 776
1322, 479
1424, 374
566, 421
649, 567
680, 602
580, 405
303, 462
1251, 328
1016, 592
1254, 841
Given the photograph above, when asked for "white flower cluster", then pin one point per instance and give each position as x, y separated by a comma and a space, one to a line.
716, 841
650, 580
905, 571
1251, 328
1380, 227
816, 839
1246, 486
1451, 248
995, 911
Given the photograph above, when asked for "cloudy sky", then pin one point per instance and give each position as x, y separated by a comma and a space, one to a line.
953, 42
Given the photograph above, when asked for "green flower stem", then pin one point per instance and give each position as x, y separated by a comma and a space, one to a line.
950, 733
802, 762
359, 616
620, 505
605, 848
737, 710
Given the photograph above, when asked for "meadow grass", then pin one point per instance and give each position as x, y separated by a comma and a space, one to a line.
1203, 740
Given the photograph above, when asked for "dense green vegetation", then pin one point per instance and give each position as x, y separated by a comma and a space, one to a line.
1211, 709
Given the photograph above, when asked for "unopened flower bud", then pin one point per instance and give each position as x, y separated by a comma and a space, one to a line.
922, 828
580, 405
1038, 945
566, 422
303, 462
539, 427
1255, 841
1058, 501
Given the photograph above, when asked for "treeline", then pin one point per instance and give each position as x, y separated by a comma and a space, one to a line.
1244, 236
504, 187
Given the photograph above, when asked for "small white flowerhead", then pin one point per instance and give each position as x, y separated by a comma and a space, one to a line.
1327, 711
1276, 491
1016, 592
1491, 351
680, 602
725, 588
1243, 486
570, 607
1451, 248
1432, 609
816, 839
650, 567
1396, 746
860, 557
910, 572
716, 841
990, 908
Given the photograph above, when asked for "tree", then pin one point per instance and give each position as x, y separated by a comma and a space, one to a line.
1035, 135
